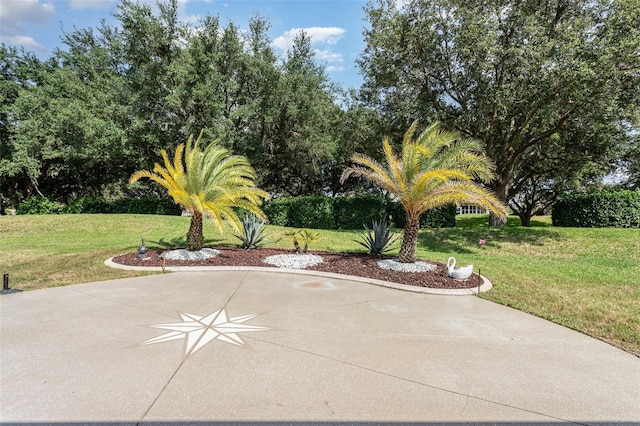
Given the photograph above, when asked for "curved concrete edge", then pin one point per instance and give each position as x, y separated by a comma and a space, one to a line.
486, 284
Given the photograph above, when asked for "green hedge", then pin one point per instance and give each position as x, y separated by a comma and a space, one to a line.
354, 212
619, 209
323, 212
278, 211
142, 205
87, 205
39, 205
146, 205
313, 211
444, 217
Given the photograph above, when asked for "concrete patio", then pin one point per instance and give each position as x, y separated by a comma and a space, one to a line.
272, 347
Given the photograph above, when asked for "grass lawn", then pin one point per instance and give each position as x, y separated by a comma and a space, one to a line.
585, 279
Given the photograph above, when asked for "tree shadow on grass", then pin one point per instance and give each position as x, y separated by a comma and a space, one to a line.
463, 239
178, 242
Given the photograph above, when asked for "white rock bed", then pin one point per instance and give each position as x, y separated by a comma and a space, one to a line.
293, 261
182, 254
418, 266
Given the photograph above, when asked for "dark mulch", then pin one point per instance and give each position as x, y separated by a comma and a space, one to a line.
360, 265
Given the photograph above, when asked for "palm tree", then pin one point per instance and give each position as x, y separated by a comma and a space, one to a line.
436, 169
211, 183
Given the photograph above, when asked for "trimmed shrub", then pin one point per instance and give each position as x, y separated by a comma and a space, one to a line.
354, 212
87, 205
601, 209
322, 212
143, 205
277, 211
314, 211
146, 205
39, 205
444, 217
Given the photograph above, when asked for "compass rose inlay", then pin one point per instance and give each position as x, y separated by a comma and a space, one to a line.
199, 330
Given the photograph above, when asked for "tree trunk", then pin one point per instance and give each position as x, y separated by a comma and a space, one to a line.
495, 221
410, 240
195, 238
500, 190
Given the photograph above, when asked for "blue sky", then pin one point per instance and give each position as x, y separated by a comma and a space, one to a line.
335, 27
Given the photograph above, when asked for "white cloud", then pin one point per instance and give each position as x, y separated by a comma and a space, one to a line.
15, 14
27, 42
182, 13
328, 56
91, 4
328, 35
334, 68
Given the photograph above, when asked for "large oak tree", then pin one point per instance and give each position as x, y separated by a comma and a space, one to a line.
531, 79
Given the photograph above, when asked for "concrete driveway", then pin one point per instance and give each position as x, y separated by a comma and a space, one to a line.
257, 346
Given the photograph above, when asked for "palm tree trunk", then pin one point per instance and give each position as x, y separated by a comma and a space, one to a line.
195, 238
410, 239
497, 222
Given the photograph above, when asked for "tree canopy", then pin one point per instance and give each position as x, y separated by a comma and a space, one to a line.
549, 82
82, 121
551, 89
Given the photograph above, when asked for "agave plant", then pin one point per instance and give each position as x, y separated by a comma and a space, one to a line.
253, 233
378, 239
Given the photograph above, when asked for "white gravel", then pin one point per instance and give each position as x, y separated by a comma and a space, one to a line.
394, 265
293, 261
182, 254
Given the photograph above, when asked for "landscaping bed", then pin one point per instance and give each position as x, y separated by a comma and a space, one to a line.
360, 265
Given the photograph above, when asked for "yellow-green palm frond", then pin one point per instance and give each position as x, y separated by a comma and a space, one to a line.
435, 169
397, 168
467, 193
145, 174
211, 182
408, 136
381, 179
430, 180
164, 174
178, 167
372, 170
465, 155
167, 163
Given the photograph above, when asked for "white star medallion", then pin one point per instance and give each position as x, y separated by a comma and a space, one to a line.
200, 330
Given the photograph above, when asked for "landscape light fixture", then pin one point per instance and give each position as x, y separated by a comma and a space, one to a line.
142, 250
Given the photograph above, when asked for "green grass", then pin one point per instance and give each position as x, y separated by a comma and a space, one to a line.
585, 279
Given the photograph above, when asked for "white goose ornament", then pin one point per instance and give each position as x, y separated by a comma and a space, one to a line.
458, 273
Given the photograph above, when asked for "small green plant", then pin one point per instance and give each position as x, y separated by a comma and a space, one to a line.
253, 233
303, 237
378, 239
